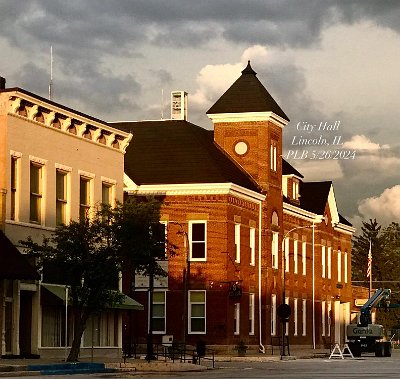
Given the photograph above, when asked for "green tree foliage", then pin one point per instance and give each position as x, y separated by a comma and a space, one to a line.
385, 243
89, 255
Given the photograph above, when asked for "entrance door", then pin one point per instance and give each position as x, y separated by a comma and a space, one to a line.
25, 324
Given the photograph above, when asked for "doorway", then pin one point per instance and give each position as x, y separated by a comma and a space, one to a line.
25, 324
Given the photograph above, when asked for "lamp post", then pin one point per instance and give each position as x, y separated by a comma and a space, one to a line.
186, 279
283, 274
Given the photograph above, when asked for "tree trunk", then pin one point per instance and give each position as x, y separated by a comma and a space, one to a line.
80, 319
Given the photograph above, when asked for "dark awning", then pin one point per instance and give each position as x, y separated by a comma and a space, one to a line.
58, 290
13, 264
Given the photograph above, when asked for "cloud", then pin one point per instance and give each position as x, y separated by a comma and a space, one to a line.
385, 207
361, 142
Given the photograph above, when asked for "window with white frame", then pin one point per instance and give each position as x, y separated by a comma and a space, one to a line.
323, 316
304, 257
273, 315
287, 260
198, 240
236, 319
329, 263
295, 189
159, 314
251, 313
106, 193
287, 323
295, 316
345, 266
237, 243
295, 256
197, 312
252, 246
339, 266
304, 312
273, 155
36, 192
329, 317
84, 197
14, 186
275, 249
323, 262
61, 197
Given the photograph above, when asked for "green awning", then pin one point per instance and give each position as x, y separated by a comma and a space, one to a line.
128, 303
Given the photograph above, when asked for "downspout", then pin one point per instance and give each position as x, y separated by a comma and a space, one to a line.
261, 346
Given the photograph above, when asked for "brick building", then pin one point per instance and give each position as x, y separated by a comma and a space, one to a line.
251, 232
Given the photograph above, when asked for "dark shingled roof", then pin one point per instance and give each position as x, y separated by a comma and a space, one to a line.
13, 265
314, 195
178, 152
288, 169
247, 94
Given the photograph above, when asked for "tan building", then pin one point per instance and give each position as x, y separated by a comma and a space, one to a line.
55, 163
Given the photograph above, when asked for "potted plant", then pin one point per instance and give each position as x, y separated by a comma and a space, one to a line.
241, 348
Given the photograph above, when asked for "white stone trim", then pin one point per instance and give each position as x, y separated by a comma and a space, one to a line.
292, 210
62, 167
38, 160
248, 116
86, 174
15, 154
108, 180
195, 189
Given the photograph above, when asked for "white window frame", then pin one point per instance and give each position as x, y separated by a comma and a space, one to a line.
252, 246
236, 319
295, 256
329, 317
89, 204
15, 199
295, 189
287, 254
251, 313
304, 314
41, 164
304, 257
295, 316
323, 261
339, 266
323, 316
64, 201
273, 156
275, 249
345, 273
273, 315
287, 323
329, 263
165, 311
191, 223
237, 243
190, 303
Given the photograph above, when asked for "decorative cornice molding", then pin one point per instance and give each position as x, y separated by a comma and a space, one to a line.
115, 139
192, 189
248, 117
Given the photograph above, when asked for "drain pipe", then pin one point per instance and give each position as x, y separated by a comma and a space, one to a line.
261, 346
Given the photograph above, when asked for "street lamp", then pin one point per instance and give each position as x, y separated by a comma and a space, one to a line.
283, 352
186, 279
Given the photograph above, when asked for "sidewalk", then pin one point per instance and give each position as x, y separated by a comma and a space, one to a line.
20, 367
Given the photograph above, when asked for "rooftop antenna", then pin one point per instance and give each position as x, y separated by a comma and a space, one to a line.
162, 104
51, 74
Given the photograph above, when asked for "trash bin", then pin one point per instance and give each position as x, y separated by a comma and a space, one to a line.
201, 348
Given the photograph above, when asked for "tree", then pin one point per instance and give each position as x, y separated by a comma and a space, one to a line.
371, 233
91, 254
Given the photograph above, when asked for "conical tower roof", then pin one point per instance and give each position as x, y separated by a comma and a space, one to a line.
247, 94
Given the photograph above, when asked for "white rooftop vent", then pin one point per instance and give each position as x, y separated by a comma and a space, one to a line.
179, 105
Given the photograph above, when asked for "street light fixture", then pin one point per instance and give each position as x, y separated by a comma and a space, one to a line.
283, 350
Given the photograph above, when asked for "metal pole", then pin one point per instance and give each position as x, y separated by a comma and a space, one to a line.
66, 324
313, 282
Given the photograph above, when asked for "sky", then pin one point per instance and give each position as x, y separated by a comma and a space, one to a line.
325, 63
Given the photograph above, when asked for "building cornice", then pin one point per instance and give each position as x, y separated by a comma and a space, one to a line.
248, 117
292, 210
86, 128
192, 189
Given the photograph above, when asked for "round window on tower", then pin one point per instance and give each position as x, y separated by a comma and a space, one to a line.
241, 148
